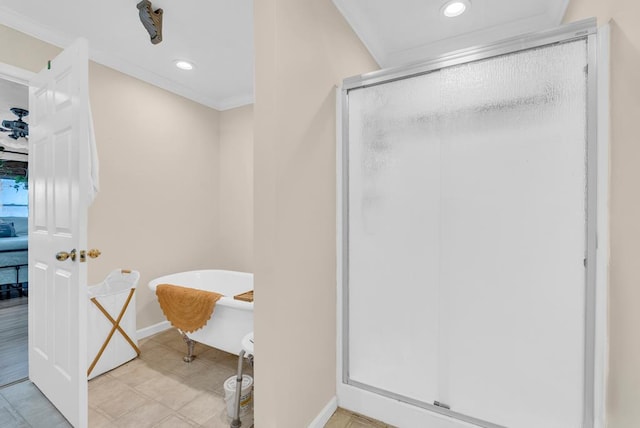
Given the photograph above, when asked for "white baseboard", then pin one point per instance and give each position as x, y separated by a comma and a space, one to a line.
153, 329
325, 414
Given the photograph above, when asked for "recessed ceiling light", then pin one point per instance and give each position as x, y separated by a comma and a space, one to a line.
184, 65
455, 8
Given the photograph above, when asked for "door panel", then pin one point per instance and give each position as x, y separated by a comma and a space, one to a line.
58, 221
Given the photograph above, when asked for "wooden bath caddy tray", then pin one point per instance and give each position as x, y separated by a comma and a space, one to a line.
245, 297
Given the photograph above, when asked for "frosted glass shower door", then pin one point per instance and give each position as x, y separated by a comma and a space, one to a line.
394, 255
467, 237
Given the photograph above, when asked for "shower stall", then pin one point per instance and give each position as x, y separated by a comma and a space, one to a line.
468, 223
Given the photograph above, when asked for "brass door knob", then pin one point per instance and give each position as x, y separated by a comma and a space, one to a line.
94, 253
63, 255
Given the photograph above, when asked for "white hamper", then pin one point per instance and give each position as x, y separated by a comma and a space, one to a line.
111, 328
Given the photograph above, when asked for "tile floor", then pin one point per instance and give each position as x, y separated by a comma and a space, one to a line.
156, 390
160, 390
345, 419
22, 405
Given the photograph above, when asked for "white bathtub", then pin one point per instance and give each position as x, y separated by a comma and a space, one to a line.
232, 319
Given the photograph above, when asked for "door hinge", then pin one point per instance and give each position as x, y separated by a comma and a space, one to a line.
584, 262
444, 406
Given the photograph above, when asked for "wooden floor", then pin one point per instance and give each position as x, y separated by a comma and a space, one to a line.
14, 358
15, 301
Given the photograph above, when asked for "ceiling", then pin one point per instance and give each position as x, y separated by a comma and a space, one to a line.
401, 32
217, 35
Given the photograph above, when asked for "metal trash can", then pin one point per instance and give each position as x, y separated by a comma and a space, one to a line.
111, 322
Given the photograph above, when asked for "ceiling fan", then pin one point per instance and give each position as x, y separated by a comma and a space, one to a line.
17, 128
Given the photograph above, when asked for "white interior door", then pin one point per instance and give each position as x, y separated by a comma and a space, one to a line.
58, 100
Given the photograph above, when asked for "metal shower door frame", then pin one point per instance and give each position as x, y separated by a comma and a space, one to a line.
582, 30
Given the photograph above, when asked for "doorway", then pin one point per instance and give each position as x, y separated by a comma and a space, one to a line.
14, 211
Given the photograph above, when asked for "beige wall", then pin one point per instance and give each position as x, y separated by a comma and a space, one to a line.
25, 52
624, 289
303, 49
236, 189
157, 210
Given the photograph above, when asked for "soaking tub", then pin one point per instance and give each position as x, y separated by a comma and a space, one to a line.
231, 320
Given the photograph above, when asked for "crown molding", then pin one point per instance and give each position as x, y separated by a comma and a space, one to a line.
475, 38
15, 74
234, 102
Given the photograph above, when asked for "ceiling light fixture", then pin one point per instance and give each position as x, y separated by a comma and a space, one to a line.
455, 8
184, 65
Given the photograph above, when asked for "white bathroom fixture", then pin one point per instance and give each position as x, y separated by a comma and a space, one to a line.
231, 320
